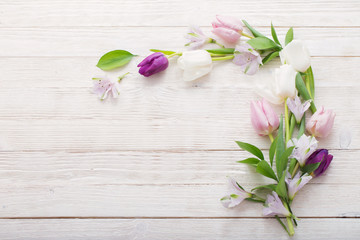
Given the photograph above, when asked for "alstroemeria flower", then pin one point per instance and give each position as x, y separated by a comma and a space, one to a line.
297, 55
323, 156
274, 206
296, 183
153, 63
298, 108
304, 147
280, 87
104, 87
263, 117
228, 28
195, 64
321, 123
197, 37
247, 58
235, 194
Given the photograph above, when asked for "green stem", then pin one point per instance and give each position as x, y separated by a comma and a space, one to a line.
217, 55
246, 35
211, 40
291, 226
174, 54
287, 127
223, 58
271, 137
282, 224
122, 77
295, 169
292, 124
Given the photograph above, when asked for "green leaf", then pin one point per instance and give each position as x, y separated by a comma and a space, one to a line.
273, 34
251, 149
264, 169
309, 168
269, 186
289, 36
114, 59
270, 56
302, 127
292, 164
310, 78
250, 161
252, 30
280, 148
272, 151
163, 51
263, 43
221, 50
284, 159
281, 187
300, 85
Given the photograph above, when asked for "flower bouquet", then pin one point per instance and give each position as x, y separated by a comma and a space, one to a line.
293, 159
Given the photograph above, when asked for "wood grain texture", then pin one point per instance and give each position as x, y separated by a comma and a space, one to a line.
153, 163
176, 12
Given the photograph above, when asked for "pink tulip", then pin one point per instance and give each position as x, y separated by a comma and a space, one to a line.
228, 28
321, 122
263, 117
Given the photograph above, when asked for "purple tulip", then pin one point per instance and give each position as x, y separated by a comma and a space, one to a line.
152, 64
323, 156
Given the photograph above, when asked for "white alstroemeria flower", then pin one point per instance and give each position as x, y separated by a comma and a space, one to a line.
297, 55
274, 206
304, 147
298, 108
296, 183
280, 87
235, 194
195, 64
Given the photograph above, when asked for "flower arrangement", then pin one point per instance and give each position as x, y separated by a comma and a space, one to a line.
293, 160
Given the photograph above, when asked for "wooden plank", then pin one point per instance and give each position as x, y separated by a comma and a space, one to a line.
176, 13
95, 41
156, 118
153, 167
205, 229
70, 198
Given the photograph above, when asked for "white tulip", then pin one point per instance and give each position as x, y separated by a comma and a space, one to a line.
297, 55
280, 86
195, 64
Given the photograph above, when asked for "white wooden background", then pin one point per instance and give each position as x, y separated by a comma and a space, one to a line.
152, 164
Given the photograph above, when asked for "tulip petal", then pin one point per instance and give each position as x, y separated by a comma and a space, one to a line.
297, 55
227, 34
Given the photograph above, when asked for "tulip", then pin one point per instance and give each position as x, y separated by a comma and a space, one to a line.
247, 58
304, 147
195, 64
152, 64
323, 156
296, 183
321, 123
298, 108
280, 87
228, 28
297, 55
274, 206
235, 194
263, 117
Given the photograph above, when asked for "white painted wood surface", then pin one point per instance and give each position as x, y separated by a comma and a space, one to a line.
152, 164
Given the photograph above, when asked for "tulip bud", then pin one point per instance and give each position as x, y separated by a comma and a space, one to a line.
153, 63
323, 156
321, 123
228, 28
195, 64
263, 117
297, 55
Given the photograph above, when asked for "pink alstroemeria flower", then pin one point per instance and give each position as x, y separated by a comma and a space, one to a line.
104, 87
304, 147
321, 123
235, 194
227, 28
274, 206
263, 117
197, 37
298, 108
247, 58
296, 183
